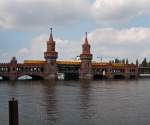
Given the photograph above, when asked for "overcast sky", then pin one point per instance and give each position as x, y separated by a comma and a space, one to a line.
116, 28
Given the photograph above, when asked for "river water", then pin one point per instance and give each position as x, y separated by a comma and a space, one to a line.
78, 103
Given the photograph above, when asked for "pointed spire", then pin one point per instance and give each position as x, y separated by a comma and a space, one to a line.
86, 40
51, 34
127, 62
137, 62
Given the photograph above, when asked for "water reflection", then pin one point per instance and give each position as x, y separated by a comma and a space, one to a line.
78, 103
50, 102
86, 107
84, 98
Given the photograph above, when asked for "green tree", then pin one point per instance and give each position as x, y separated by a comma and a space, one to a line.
148, 64
123, 61
144, 62
137, 62
117, 60
127, 62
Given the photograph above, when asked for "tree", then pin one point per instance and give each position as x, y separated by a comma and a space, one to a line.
117, 60
137, 62
123, 61
127, 62
148, 64
144, 62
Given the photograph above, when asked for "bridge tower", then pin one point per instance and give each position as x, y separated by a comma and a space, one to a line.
50, 56
86, 61
13, 69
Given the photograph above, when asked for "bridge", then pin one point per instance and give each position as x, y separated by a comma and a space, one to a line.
14, 70
68, 69
144, 71
50, 68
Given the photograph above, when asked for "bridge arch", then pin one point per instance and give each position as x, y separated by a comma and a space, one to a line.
2, 77
99, 77
71, 76
30, 77
132, 76
119, 76
24, 77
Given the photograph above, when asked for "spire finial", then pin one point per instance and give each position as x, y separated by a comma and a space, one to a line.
86, 40
51, 34
86, 34
51, 29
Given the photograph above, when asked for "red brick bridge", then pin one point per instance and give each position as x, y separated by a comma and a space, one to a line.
50, 68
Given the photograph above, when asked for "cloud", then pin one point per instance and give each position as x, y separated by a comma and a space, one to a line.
67, 49
129, 43
146, 53
108, 43
115, 11
120, 37
23, 51
4, 57
38, 14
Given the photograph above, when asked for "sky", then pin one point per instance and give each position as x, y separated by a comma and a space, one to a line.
116, 28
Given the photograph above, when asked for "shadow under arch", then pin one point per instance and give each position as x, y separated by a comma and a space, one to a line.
99, 77
4, 77
132, 77
119, 76
71, 76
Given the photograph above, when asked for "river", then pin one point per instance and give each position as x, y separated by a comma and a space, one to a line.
78, 103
